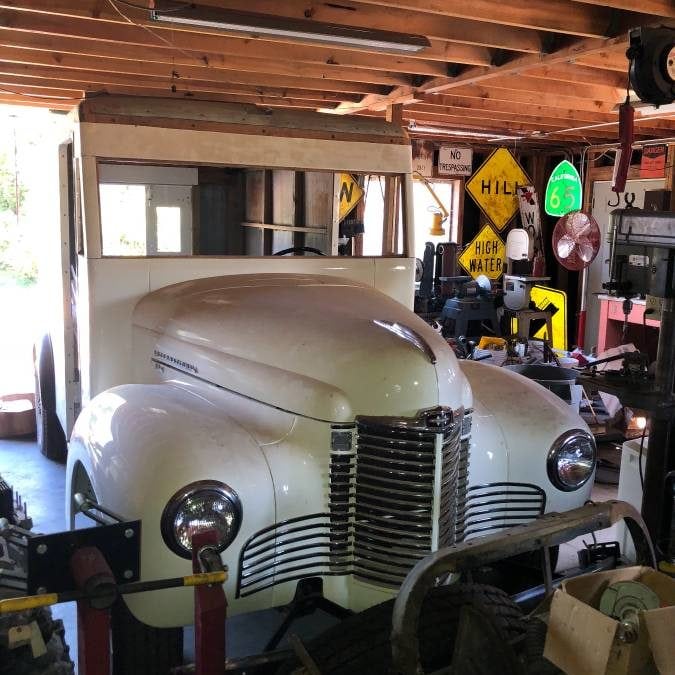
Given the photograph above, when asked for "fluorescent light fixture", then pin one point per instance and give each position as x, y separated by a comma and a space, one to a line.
653, 111
644, 109
254, 25
447, 131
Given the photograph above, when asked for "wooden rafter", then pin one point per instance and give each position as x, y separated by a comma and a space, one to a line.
514, 109
545, 15
47, 33
223, 73
662, 8
549, 68
450, 29
184, 84
528, 98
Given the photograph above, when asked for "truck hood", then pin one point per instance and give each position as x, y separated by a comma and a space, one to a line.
319, 346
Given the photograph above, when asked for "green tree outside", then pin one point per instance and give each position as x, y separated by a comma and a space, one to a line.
17, 259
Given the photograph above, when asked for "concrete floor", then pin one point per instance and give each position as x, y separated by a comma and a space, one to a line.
41, 483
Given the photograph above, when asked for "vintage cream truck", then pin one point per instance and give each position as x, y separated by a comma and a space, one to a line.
295, 403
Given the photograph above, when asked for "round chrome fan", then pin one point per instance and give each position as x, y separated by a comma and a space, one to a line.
576, 240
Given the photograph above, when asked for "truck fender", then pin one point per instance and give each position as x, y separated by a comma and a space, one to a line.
137, 445
530, 418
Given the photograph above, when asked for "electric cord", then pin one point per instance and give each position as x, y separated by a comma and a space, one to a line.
186, 5
595, 539
155, 34
642, 445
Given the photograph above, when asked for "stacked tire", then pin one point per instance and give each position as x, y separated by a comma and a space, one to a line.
22, 659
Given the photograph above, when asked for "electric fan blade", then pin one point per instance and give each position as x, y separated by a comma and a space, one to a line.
576, 240
586, 251
565, 246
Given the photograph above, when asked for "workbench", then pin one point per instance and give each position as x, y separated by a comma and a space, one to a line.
640, 329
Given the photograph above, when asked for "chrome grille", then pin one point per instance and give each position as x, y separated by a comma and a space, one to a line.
393, 498
290, 550
400, 465
340, 500
451, 497
496, 506
463, 475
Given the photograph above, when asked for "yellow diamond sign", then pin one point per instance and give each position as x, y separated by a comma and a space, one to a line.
494, 186
484, 255
350, 194
554, 301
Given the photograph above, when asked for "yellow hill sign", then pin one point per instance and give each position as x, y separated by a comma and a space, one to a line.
494, 186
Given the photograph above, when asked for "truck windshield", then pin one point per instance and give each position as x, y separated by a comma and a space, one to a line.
196, 211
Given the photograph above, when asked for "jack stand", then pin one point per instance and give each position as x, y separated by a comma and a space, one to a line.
94, 577
308, 598
210, 607
95, 566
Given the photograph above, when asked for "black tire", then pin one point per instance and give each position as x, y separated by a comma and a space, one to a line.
138, 649
360, 644
20, 660
50, 437
517, 573
535, 640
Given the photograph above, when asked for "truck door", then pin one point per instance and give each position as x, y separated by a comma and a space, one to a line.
63, 328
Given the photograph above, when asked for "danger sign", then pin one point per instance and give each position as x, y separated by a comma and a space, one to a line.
653, 163
484, 255
494, 186
350, 194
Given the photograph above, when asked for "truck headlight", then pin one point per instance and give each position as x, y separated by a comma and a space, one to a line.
571, 460
203, 505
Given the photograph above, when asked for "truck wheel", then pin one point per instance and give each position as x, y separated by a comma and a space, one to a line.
517, 573
138, 649
20, 660
50, 437
535, 640
360, 644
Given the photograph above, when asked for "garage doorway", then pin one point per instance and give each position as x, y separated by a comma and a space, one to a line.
28, 210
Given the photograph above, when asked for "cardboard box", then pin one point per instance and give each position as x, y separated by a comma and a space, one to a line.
582, 641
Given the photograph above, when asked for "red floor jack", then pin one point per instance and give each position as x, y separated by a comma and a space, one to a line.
95, 566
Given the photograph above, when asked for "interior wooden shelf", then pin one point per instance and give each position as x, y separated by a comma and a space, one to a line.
287, 228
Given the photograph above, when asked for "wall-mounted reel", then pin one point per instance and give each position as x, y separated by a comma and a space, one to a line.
652, 64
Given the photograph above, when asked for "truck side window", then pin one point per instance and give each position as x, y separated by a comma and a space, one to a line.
239, 211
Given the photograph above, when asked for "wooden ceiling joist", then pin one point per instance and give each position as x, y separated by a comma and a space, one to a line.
552, 71
516, 109
659, 8
440, 28
454, 113
221, 74
544, 15
405, 21
458, 117
142, 46
580, 75
558, 90
161, 81
606, 60
519, 65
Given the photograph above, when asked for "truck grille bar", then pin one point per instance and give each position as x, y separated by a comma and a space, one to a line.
396, 489
394, 495
496, 506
